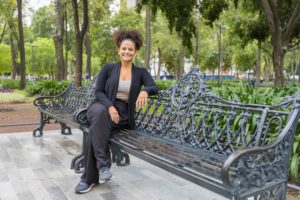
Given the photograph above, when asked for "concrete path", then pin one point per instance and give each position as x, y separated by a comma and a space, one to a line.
39, 169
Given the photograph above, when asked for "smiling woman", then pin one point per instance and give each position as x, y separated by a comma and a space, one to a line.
118, 92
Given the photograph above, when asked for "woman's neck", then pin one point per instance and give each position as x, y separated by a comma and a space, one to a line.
126, 65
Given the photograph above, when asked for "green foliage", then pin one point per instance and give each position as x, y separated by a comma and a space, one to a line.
5, 59
46, 87
43, 22
179, 14
295, 161
164, 84
246, 58
211, 9
10, 84
41, 56
101, 34
255, 95
266, 96
161, 38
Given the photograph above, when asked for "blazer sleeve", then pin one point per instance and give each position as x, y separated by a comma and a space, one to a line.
100, 94
149, 84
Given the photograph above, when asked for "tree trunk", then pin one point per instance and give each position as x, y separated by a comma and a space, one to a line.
267, 70
88, 55
158, 64
180, 68
293, 71
13, 48
258, 62
280, 35
3, 32
181, 61
59, 41
148, 38
66, 42
21, 46
14, 55
79, 38
278, 58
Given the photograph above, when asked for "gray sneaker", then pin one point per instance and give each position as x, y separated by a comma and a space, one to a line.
83, 187
104, 174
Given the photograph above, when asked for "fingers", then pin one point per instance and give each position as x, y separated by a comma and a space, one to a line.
114, 115
115, 118
141, 102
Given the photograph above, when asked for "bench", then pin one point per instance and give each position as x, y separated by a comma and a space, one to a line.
237, 150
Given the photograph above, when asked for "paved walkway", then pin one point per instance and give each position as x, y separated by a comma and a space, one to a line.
39, 169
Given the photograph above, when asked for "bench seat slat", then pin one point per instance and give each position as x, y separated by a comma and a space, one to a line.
182, 156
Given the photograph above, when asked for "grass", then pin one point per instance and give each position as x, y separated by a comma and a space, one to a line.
18, 96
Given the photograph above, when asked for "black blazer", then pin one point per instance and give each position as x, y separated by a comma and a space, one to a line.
108, 82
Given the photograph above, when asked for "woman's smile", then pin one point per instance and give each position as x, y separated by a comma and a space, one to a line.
127, 51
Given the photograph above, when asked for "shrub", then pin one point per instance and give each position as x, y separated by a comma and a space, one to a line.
46, 87
10, 84
164, 84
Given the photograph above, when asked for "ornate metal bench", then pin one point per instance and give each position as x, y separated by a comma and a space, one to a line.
69, 110
63, 108
234, 149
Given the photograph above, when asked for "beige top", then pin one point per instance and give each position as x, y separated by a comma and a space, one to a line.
123, 90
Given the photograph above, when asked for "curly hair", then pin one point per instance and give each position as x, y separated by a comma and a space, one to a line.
133, 35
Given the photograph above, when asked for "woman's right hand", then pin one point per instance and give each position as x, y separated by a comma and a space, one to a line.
114, 115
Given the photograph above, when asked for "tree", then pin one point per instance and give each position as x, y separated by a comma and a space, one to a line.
7, 9
43, 22
21, 46
5, 61
60, 71
148, 38
282, 26
283, 20
88, 51
44, 50
179, 14
3, 32
101, 34
79, 37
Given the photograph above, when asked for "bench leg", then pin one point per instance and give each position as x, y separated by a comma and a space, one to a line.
38, 132
77, 162
65, 130
120, 157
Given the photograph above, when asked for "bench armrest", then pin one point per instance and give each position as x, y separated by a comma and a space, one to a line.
48, 101
52, 101
255, 167
80, 116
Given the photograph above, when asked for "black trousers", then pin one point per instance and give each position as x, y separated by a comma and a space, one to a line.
97, 153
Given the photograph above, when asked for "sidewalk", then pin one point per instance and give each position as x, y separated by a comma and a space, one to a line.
39, 169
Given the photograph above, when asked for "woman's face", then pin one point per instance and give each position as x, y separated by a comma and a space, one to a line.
127, 51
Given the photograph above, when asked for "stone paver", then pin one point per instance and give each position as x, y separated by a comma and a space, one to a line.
39, 169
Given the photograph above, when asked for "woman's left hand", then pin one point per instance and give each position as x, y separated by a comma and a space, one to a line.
142, 99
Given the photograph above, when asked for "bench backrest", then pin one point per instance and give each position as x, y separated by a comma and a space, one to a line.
188, 113
76, 98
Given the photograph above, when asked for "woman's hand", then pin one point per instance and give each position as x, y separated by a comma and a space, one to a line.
114, 115
142, 99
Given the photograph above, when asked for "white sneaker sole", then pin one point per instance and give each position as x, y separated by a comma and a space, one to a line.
103, 181
87, 190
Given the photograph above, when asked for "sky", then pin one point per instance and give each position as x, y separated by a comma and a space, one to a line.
36, 4
33, 5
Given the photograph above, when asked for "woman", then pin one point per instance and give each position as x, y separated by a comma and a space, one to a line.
118, 92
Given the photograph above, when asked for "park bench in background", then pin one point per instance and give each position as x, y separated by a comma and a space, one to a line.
236, 150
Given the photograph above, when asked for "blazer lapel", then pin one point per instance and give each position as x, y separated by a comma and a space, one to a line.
115, 80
